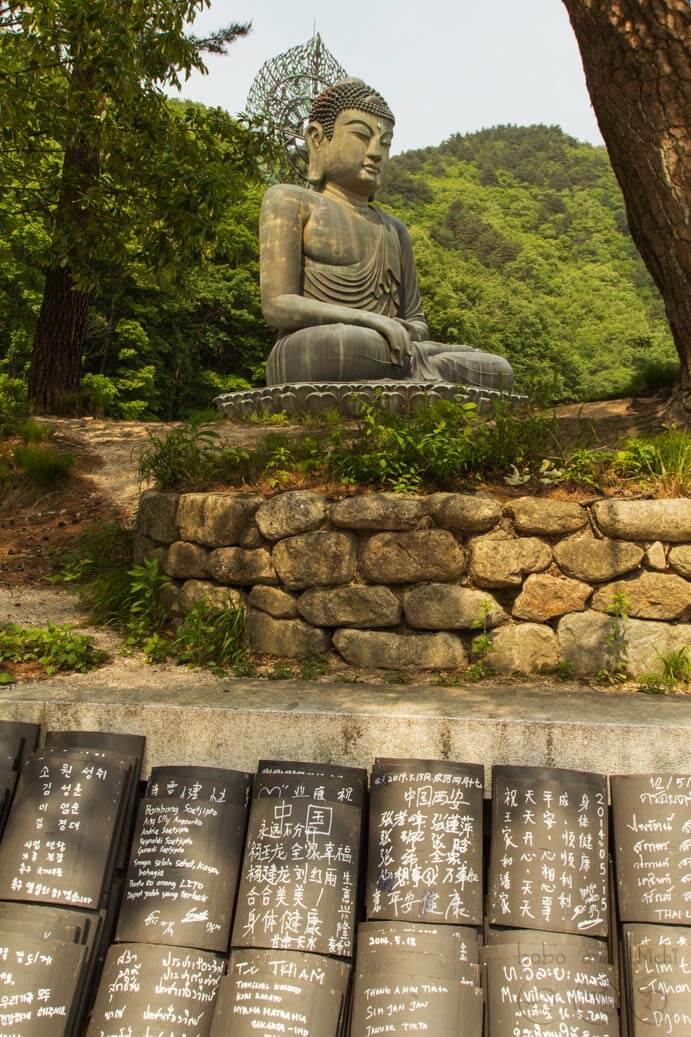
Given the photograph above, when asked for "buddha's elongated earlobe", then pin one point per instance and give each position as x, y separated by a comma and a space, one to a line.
316, 146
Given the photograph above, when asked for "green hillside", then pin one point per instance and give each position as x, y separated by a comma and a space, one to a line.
522, 247
521, 243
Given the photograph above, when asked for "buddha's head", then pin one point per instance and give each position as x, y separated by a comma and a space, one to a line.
349, 136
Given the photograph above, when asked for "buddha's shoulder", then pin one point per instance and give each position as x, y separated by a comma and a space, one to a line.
392, 222
279, 196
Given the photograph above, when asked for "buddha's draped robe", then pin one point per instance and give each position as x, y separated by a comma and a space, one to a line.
383, 282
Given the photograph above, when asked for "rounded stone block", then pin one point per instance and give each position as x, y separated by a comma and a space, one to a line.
655, 557
187, 561
536, 515
353, 606
504, 563
385, 511
215, 519
524, 648
276, 602
286, 638
382, 650
156, 516
289, 514
680, 560
446, 606
320, 559
217, 597
242, 566
145, 549
466, 512
585, 641
648, 596
425, 554
596, 561
666, 520
543, 597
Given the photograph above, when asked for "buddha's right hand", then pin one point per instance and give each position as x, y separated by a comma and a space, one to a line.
398, 338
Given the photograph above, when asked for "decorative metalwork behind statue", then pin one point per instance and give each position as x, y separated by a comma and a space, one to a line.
283, 92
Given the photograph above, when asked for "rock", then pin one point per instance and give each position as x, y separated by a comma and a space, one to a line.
583, 640
426, 554
251, 537
287, 638
273, 600
187, 561
503, 563
655, 556
524, 648
680, 560
391, 511
546, 517
585, 558
373, 649
543, 597
169, 598
215, 519
668, 520
289, 514
145, 548
242, 566
355, 606
649, 596
193, 591
466, 513
319, 559
156, 517
446, 606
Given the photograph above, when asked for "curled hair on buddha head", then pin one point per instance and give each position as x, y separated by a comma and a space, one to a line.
347, 93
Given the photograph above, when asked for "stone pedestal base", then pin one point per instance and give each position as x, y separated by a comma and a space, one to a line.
345, 397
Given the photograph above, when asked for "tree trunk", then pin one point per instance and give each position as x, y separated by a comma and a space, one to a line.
637, 65
59, 339
61, 327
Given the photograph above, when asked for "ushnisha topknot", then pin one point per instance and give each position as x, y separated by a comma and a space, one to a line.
347, 93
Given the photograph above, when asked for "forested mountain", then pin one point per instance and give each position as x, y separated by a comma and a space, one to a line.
522, 247
521, 243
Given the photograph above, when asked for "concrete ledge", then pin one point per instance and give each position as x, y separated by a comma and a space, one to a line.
234, 723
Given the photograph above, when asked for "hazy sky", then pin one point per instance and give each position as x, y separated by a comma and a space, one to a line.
444, 66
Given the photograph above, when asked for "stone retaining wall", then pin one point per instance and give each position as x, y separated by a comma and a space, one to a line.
398, 582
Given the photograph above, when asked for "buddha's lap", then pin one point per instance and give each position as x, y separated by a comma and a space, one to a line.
342, 352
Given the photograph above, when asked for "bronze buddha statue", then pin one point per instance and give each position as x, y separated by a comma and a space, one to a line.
338, 276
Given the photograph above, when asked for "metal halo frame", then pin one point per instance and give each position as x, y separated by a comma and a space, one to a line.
282, 93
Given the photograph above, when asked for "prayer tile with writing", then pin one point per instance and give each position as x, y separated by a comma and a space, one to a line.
183, 872
651, 815
548, 860
39, 985
548, 990
151, 991
300, 873
269, 992
61, 835
657, 968
425, 842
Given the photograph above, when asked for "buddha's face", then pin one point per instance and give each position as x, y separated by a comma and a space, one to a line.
357, 155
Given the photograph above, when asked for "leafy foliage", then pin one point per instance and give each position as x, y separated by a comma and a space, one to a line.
57, 649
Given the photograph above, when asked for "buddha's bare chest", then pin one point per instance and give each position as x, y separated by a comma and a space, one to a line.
336, 236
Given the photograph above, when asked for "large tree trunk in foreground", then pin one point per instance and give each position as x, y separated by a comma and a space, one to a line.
637, 63
59, 339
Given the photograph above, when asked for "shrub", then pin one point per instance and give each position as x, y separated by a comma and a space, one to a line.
56, 648
211, 637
